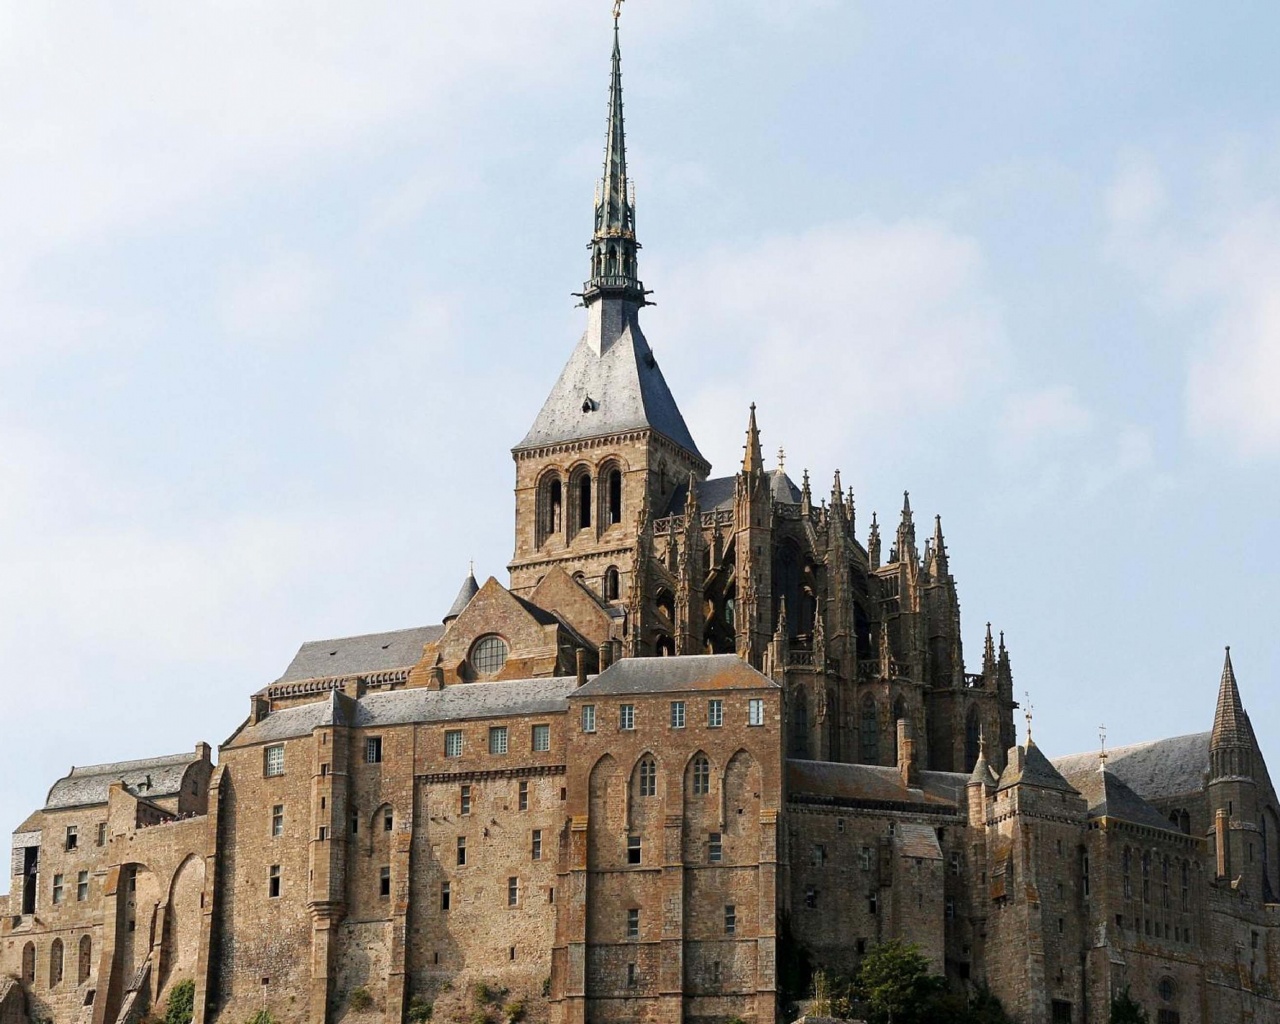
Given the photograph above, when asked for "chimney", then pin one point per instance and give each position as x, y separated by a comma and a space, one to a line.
606, 654
1220, 826
907, 766
259, 708
203, 751
435, 678
582, 666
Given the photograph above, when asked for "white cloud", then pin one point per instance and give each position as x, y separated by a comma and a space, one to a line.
1137, 195
877, 322
276, 301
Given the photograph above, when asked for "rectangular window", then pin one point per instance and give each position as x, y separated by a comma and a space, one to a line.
102, 833
588, 718
755, 711
273, 760
955, 865
541, 738
73, 837
627, 717
864, 858
323, 833
715, 714
444, 895
388, 820
498, 739
324, 769
951, 910
513, 891
57, 888
355, 822
818, 855
633, 978
384, 882
462, 850
730, 919
273, 881
464, 799
633, 849
1060, 1012
840, 825
871, 903
715, 848
633, 923
811, 897
453, 743
524, 795
373, 750
677, 714
535, 848
715, 972
82, 886
277, 820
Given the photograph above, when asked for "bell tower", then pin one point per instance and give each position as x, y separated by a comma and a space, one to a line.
609, 448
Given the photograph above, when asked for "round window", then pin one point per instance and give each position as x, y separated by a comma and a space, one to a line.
489, 654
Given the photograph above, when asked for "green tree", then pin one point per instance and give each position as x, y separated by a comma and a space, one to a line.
894, 981
1127, 1010
182, 1002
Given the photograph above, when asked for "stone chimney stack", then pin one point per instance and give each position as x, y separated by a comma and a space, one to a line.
908, 767
582, 667
606, 654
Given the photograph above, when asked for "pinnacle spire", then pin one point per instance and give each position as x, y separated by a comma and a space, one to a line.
1230, 726
613, 244
753, 460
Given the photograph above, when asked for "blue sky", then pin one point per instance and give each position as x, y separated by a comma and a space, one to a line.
280, 288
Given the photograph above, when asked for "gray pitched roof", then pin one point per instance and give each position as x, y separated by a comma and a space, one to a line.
834, 782
915, 840
610, 385
1029, 767
717, 492
1108, 796
358, 655
687, 672
149, 778
404, 707
1154, 770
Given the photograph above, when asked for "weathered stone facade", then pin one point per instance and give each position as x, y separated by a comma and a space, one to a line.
526, 798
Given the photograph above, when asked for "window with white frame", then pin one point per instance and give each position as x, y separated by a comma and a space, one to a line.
541, 738
498, 739
755, 711
273, 760
627, 717
453, 743
648, 777
677, 714
373, 750
588, 718
715, 714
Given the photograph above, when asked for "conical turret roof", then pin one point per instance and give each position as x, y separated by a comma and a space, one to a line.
1230, 723
466, 592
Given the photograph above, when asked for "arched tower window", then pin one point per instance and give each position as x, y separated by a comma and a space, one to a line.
550, 508
55, 964
666, 603
612, 584
869, 727
29, 963
972, 738
584, 502
665, 646
613, 481
86, 959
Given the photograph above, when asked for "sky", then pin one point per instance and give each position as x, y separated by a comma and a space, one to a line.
281, 285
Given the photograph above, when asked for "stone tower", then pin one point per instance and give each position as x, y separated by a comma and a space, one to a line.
610, 445
1233, 790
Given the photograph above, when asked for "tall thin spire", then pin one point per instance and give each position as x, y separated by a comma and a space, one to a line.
613, 245
753, 459
1229, 723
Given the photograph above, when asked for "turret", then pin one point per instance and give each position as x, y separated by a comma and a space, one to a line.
1233, 789
873, 543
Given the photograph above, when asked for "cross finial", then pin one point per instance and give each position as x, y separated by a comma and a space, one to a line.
782, 457
617, 10
473, 567
1030, 709
1102, 752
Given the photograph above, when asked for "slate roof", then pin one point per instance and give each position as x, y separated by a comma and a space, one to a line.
610, 385
358, 655
687, 672
1033, 769
149, 778
1230, 723
829, 781
718, 492
403, 707
915, 840
466, 592
1154, 770
1108, 797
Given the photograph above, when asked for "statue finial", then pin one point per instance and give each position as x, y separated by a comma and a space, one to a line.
1102, 752
1030, 708
617, 10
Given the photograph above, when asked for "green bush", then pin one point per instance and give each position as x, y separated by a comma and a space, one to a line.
514, 1010
420, 1010
481, 994
261, 1017
546, 987
360, 1000
480, 1016
182, 1003
1127, 1010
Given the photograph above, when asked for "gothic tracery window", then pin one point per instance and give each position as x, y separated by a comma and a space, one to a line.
869, 731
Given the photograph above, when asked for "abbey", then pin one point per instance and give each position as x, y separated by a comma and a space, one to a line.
713, 732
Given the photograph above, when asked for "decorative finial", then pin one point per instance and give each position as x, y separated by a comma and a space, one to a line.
982, 743
782, 458
1102, 752
473, 567
1030, 709
617, 10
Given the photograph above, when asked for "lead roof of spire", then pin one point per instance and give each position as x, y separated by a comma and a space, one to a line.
753, 458
1230, 723
466, 592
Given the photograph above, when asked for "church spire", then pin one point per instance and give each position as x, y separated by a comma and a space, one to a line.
613, 244
753, 460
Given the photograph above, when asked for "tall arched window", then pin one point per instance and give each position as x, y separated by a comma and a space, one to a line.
1126, 872
55, 964
701, 776
584, 502
86, 960
799, 726
29, 963
665, 646
1146, 876
870, 731
613, 480
648, 777
550, 508
612, 584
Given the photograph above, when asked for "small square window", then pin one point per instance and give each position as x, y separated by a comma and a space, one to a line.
715, 848
840, 825
373, 750
755, 711
588, 718
462, 850
277, 820
464, 800
677, 714
633, 923
627, 717
535, 850
73, 837
323, 833
82, 886
730, 919
453, 743
513, 891
715, 714
273, 760
498, 739
444, 896
273, 881
384, 882
523, 795
633, 849
541, 738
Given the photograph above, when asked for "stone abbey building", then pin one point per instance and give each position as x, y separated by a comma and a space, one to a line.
711, 729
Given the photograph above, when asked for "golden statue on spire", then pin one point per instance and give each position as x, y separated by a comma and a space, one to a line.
617, 10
